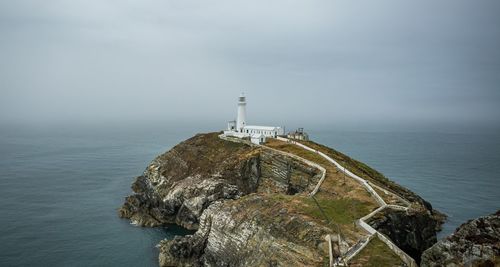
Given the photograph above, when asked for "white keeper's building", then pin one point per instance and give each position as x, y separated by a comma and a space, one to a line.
257, 134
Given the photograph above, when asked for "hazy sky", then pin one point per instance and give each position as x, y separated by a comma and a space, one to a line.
299, 62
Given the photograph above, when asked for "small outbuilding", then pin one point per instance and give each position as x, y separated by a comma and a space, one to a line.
299, 134
258, 139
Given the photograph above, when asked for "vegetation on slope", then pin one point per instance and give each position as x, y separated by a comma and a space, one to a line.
342, 200
204, 155
370, 174
233, 174
376, 254
339, 202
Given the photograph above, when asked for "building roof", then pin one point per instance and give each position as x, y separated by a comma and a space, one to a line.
263, 128
257, 135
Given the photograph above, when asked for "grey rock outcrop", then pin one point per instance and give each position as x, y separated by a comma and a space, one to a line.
177, 186
238, 198
413, 232
475, 243
248, 232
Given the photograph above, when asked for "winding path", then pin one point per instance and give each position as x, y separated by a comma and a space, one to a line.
356, 248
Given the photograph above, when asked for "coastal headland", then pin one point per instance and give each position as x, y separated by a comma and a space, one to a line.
283, 203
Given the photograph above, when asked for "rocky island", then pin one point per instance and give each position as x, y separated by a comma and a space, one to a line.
474, 243
283, 203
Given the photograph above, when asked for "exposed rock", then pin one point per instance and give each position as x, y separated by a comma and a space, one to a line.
413, 231
178, 185
285, 175
475, 243
226, 191
248, 232
372, 175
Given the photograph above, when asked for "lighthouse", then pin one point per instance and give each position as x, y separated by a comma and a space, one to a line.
242, 113
256, 134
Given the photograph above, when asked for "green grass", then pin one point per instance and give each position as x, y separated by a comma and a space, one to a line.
362, 170
298, 151
343, 211
357, 167
280, 197
376, 254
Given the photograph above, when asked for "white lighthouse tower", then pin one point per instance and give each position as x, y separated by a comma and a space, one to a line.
242, 113
256, 133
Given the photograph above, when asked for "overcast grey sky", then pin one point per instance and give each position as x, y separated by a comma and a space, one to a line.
299, 62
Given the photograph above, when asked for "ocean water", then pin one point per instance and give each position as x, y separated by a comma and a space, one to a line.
60, 190
60, 187
459, 174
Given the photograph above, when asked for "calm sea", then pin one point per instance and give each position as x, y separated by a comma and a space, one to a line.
60, 187
459, 174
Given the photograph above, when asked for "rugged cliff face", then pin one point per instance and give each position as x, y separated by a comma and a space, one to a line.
475, 243
249, 206
255, 230
377, 178
180, 184
412, 231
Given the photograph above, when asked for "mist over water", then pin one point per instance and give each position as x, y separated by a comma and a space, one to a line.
340, 62
91, 91
61, 187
